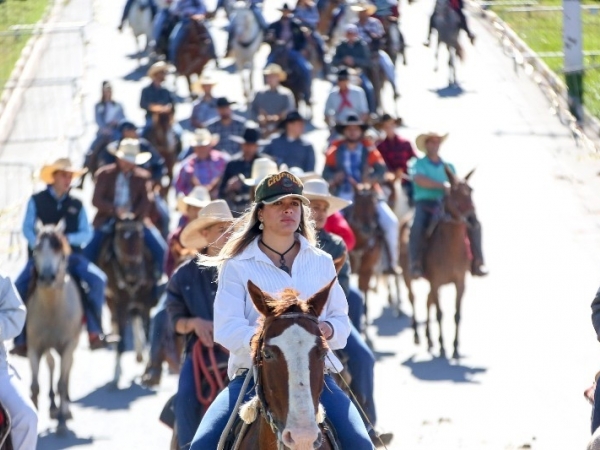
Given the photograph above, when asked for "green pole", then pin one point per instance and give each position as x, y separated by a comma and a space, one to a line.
573, 59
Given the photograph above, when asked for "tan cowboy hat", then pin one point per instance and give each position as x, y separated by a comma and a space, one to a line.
198, 197
129, 150
157, 67
261, 168
215, 212
63, 164
275, 69
318, 189
204, 80
364, 6
202, 137
420, 140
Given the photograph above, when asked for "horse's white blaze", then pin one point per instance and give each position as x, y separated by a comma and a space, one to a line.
296, 343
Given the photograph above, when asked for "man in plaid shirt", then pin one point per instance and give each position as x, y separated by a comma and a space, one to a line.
227, 125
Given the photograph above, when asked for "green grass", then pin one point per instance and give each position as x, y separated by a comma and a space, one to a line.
16, 12
542, 31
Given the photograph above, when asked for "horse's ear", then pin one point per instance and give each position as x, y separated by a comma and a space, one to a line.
339, 262
451, 177
469, 175
317, 301
61, 226
259, 299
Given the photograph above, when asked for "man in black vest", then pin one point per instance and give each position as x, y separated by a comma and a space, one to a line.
49, 207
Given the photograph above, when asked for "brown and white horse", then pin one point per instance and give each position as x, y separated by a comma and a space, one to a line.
289, 354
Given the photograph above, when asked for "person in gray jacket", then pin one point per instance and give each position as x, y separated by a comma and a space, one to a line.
13, 393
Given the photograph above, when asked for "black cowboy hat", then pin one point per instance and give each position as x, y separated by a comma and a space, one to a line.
350, 120
285, 7
292, 116
127, 125
222, 102
251, 136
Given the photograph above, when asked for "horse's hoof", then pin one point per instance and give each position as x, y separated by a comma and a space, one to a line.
54, 413
443, 353
417, 340
455, 355
61, 429
68, 415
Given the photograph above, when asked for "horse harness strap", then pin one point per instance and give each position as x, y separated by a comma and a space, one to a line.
211, 374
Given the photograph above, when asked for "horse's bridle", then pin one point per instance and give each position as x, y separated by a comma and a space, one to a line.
275, 425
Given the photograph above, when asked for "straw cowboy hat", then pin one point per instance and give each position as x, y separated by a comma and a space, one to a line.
275, 69
204, 80
318, 189
364, 6
158, 67
422, 138
215, 212
202, 138
261, 168
129, 150
63, 164
198, 197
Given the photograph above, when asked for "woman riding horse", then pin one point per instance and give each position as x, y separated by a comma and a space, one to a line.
274, 247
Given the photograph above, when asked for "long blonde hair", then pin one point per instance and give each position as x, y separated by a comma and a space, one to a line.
246, 228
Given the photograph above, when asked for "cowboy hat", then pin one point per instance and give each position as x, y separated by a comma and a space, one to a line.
422, 138
202, 138
292, 116
215, 212
364, 6
129, 150
261, 168
251, 136
157, 67
198, 197
300, 173
222, 102
350, 120
285, 7
318, 189
61, 164
204, 80
275, 69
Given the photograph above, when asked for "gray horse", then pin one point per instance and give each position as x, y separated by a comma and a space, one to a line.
447, 23
54, 317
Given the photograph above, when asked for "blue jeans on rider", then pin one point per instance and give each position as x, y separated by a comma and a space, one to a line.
188, 410
424, 211
159, 23
596, 409
177, 36
129, 4
86, 272
305, 68
356, 307
369, 91
159, 326
388, 67
163, 210
342, 413
361, 364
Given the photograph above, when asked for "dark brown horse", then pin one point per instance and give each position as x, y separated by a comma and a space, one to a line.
128, 265
5, 425
194, 52
161, 135
446, 258
289, 354
326, 16
294, 81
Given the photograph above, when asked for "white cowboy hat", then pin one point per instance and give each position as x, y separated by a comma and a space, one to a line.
215, 212
297, 171
202, 137
261, 168
157, 67
275, 69
420, 140
63, 164
364, 6
129, 150
318, 189
198, 197
204, 80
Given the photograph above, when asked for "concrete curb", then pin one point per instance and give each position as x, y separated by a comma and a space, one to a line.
20, 78
549, 82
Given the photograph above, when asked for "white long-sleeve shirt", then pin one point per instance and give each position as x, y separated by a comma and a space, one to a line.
235, 321
12, 316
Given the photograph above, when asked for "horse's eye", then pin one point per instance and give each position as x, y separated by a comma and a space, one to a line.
267, 354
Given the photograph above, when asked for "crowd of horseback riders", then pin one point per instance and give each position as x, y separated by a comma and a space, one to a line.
256, 219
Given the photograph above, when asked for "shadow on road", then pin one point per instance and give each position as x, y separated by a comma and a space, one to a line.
109, 398
441, 369
48, 440
390, 325
450, 92
137, 74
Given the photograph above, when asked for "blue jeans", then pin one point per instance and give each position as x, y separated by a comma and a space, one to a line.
361, 364
356, 307
424, 211
388, 67
369, 91
188, 410
341, 411
82, 269
177, 36
152, 238
596, 409
159, 23
159, 326
305, 70
163, 210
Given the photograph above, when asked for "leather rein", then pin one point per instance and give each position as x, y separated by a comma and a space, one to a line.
212, 375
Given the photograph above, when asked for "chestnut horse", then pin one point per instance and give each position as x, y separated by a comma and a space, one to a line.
446, 258
194, 52
289, 356
161, 135
129, 269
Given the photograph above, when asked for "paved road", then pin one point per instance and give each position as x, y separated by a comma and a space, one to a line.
527, 341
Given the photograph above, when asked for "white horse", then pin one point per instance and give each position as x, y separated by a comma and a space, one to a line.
248, 38
140, 21
349, 16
